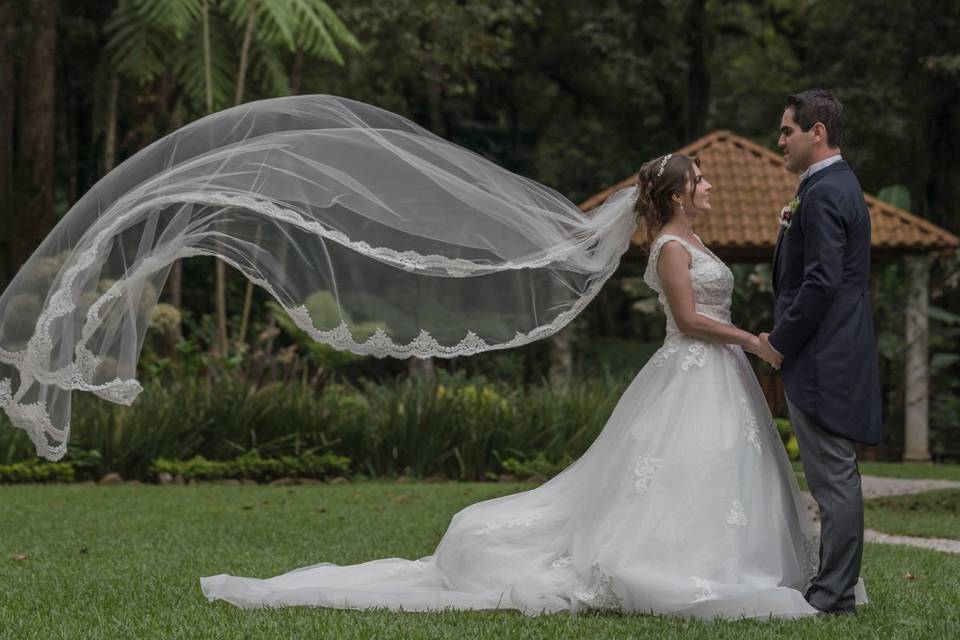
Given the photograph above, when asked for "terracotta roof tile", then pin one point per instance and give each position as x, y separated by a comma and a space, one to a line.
751, 184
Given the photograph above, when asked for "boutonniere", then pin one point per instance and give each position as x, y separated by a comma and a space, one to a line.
786, 214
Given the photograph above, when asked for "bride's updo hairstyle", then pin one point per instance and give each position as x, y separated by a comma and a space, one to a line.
657, 181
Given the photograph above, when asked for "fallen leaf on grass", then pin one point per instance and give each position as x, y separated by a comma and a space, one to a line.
18, 556
910, 576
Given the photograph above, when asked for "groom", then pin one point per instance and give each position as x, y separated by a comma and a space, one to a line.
823, 329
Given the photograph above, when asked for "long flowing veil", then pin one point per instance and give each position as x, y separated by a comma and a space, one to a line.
376, 236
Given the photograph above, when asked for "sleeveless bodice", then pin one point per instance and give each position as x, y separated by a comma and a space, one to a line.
712, 282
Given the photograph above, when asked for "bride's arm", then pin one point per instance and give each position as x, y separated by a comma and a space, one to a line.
673, 267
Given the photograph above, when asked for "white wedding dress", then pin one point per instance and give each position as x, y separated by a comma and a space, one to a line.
686, 504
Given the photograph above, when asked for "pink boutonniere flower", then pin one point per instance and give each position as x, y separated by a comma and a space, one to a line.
786, 214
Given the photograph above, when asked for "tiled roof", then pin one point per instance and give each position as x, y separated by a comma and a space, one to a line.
751, 184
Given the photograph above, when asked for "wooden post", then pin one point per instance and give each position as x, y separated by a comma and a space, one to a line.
917, 430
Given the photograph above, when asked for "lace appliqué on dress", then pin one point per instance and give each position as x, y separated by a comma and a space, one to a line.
644, 470
737, 515
751, 426
600, 594
698, 356
510, 523
670, 347
562, 561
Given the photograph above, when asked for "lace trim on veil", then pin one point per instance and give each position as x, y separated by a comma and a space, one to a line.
79, 374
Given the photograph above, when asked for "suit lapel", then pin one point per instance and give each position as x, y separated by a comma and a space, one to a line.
801, 190
776, 260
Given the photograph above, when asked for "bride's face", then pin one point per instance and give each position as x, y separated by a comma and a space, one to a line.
701, 191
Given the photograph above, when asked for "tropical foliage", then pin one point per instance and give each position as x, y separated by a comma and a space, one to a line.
574, 94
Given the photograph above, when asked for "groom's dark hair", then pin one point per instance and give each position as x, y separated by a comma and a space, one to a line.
816, 105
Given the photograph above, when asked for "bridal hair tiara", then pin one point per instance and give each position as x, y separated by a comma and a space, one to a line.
663, 164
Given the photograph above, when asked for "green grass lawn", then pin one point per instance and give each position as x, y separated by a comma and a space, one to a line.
934, 514
911, 470
907, 471
124, 562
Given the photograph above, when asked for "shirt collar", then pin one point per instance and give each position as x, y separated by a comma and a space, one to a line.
817, 166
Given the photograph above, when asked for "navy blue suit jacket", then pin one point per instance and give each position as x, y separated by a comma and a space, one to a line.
823, 324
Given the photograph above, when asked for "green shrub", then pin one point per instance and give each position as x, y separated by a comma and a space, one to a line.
34, 471
251, 466
458, 427
785, 428
538, 466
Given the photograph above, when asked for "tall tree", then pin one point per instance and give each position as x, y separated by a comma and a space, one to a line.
7, 110
31, 195
698, 79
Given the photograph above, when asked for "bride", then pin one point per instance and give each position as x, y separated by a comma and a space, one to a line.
686, 503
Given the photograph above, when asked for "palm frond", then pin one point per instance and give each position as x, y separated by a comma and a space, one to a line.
269, 70
135, 48
277, 22
188, 64
321, 30
172, 16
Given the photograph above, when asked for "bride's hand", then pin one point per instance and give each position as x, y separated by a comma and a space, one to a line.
762, 350
767, 352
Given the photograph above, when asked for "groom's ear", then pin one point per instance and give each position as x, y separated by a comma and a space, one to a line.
819, 132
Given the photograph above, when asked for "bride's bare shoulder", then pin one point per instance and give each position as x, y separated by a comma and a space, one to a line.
673, 254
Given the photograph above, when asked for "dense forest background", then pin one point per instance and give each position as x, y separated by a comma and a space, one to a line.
575, 94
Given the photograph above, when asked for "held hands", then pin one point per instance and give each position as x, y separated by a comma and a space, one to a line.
767, 352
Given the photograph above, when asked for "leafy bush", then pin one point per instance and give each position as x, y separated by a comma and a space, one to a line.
538, 466
785, 428
252, 466
459, 427
34, 471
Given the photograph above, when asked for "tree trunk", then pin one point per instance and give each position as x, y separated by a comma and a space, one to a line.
241, 78
220, 289
421, 368
296, 72
8, 28
424, 367
174, 286
69, 141
110, 139
698, 80
434, 91
245, 50
32, 196
561, 359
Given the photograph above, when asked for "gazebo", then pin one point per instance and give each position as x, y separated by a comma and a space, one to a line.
751, 184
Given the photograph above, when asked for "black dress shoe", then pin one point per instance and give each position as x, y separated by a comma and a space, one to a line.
848, 611
837, 611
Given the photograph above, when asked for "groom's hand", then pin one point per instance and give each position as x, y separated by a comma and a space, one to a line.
768, 353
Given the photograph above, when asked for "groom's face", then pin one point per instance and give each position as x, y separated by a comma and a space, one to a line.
797, 145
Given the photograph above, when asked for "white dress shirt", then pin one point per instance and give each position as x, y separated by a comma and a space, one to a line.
817, 166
